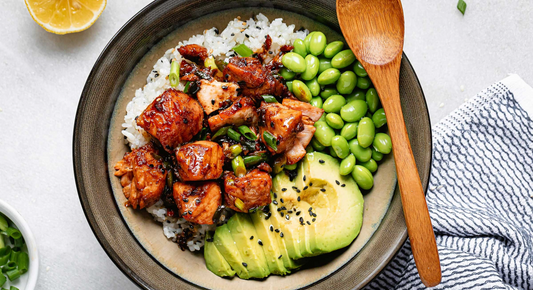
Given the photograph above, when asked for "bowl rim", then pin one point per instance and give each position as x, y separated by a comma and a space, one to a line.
115, 258
22, 225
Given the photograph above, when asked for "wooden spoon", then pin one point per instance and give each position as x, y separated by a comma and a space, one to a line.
374, 30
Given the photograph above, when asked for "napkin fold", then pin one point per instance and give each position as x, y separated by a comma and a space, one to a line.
480, 195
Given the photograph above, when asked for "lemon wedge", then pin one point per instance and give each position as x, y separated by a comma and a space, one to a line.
65, 16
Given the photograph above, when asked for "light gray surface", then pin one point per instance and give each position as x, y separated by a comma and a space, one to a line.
42, 76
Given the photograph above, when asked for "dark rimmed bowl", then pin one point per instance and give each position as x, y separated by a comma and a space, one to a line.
93, 126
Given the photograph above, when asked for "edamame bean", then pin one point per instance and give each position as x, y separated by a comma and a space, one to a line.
357, 94
334, 121
347, 165
333, 48
329, 76
311, 67
328, 92
376, 155
346, 82
324, 64
317, 44
341, 147
317, 145
301, 91
307, 40
299, 47
371, 165
332, 152
294, 62
382, 143
343, 59
333, 104
359, 69
324, 133
354, 111
363, 83
366, 132
372, 99
287, 74
362, 154
363, 177
289, 86
349, 131
316, 102
313, 86
379, 118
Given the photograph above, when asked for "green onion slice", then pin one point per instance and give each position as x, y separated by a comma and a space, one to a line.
238, 166
3, 223
270, 140
269, 99
13, 288
235, 150
253, 159
23, 262
461, 5
247, 132
221, 132
243, 50
14, 233
234, 135
239, 204
13, 274
2, 280
186, 89
174, 76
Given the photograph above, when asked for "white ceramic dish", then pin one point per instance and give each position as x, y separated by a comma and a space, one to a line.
29, 279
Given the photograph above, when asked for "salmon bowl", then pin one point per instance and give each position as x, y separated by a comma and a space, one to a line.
149, 245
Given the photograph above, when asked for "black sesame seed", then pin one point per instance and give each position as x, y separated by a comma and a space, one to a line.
294, 187
151, 166
289, 211
268, 216
298, 191
224, 87
275, 202
168, 221
310, 209
337, 182
191, 227
308, 222
283, 189
271, 124
244, 264
283, 208
185, 121
185, 213
305, 178
247, 36
212, 102
271, 228
306, 187
190, 212
314, 214
321, 161
301, 219
287, 217
281, 214
279, 208
259, 242
280, 256
233, 34
313, 220
281, 199
209, 240
310, 184
310, 213
216, 30
323, 189
298, 212
298, 198
277, 230
197, 201
343, 185
252, 237
281, 235
275, 195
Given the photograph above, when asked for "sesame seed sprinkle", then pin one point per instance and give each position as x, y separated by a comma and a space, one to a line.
298, 212
313, 220
321, 161
281, 200
275, 202
337, 182
280, 256
260, 242
252, 237
310, 184
308, 222
306, 187
244, 264
281, 234
298, 198
271, 228
284, 189
343, 185
305, 177
287, 217
277, 230
323, 189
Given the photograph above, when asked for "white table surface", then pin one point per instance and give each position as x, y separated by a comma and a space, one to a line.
42, 75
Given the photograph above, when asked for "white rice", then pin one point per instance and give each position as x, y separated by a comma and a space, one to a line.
252, 33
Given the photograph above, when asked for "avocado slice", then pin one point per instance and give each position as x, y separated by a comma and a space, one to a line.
270, 243
226, 246
214, 261
243, 232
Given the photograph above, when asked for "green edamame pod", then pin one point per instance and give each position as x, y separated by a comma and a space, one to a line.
357, 94
341, 147
359, 69
289, 86
324, 133
382, 143
372, 99
328, 92
349, 131
313, 86
343, 59
334, 121
311, 68
316, 102
354, 111
333, 104
362, 154
324, 64
363, 83
346, 82
301, 91
379, 118
366, 132
371, 165
376, 155
333, 48
317, 44
363, 177
307, 40
287, 74
347, 165
329, 76
294, 62
317, 145
332, 152
299, 47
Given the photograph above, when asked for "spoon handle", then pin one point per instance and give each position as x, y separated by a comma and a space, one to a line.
419, 228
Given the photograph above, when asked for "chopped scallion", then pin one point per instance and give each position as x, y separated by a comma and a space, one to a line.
23, 262
14, 233
235, 150
270, 140
269, 99
174, 76
254, 159
243, 50
13, 274
234, 135
461, 5
3, 223
238, 166
239, 204
2, 280
221, 132
247, 132
186, 89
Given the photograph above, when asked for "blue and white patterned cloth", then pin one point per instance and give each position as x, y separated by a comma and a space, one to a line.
480, 195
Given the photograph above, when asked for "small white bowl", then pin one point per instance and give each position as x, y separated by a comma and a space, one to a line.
33, 272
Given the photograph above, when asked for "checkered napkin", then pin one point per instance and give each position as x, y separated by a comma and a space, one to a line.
480, 195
